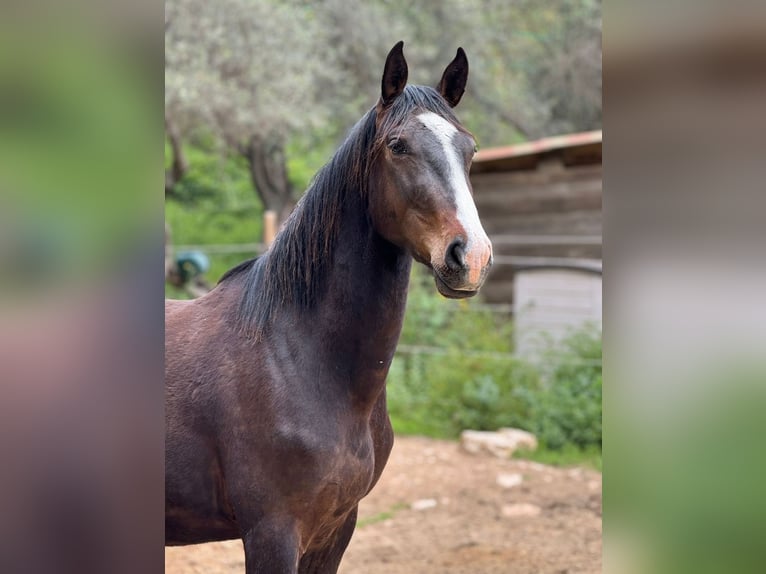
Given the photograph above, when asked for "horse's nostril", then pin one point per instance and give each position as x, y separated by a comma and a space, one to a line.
455, 256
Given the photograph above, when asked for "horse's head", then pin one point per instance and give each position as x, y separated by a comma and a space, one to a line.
422, 198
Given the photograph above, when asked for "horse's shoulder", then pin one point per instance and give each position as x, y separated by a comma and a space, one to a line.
174, 305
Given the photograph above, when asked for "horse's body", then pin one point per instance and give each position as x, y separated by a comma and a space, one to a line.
275, 381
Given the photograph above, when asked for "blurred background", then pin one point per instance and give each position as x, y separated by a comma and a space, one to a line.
258, 95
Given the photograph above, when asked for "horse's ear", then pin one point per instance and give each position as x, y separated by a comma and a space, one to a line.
453, 80
394, 75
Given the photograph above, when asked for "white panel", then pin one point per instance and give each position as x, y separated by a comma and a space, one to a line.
553, 302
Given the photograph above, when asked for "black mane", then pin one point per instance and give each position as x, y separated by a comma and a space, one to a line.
238, 269
292, 270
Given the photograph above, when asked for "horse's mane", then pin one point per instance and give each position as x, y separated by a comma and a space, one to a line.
292, 270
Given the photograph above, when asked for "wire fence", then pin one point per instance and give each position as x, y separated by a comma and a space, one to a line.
425, 350
408, 351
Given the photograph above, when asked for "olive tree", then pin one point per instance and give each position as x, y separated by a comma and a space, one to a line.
242, 70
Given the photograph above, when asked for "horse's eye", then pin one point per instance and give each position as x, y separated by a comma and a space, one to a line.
476, 149
398, 147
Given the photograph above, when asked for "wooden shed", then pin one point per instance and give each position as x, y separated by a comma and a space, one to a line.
540, 203
552, 300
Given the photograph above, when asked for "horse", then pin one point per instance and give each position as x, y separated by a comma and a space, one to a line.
276, 417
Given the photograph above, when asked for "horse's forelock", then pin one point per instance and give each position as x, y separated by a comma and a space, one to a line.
413, 99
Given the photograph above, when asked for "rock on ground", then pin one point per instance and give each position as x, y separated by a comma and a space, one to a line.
502, 443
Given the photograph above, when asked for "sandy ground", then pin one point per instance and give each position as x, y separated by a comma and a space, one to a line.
438, 510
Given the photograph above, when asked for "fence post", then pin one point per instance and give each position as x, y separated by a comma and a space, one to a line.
269, 226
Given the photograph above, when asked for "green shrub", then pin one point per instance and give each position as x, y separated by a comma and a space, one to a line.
566, 409
440, 395
455, 370
463, 325
215, 202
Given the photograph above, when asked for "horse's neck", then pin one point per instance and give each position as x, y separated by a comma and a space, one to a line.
361, 310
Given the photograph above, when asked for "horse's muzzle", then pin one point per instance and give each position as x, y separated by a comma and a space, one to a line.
464, 269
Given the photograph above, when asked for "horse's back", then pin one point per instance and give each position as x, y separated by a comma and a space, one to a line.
172, 306
179, 325
189, 327
196, 332
196, 502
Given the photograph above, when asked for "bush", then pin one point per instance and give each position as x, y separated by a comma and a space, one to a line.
455, 369
440, 395
566, 409
215, 202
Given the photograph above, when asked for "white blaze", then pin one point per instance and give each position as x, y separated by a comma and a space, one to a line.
466, 208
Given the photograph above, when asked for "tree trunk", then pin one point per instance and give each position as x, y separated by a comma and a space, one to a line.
178, 166
268, 171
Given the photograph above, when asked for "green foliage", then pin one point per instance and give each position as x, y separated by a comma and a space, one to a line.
568, 455
464, 324
214, 182
172, 292
455, 370
535, 66
434, 388
381, 516
568, 408
215, 204
306, 154
440, 395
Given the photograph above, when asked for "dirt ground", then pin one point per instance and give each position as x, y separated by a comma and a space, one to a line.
439, 510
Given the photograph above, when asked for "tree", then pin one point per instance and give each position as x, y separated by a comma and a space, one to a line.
256, 73
241, 69
178, 164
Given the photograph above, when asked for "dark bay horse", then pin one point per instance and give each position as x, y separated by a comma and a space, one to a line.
275, 380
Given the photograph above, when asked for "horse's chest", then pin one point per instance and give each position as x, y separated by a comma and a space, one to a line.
342, 476
346, 472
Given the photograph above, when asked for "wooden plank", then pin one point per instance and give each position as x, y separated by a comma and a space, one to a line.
543, 176
497, 292
548, 272
586, 154
580, 222
532, 199
502, 251
527, 239
504, 271
513, 186
547, 201
550, 199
